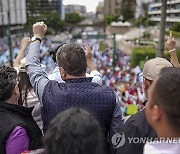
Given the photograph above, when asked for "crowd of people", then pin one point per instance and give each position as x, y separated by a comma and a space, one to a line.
78, 101
126, 82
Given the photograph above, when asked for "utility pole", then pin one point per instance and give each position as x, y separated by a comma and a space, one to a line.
2, 17
9, 36
160, 52
114, 51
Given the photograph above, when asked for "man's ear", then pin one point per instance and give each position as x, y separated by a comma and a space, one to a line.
63, 73
156, 113
146, 84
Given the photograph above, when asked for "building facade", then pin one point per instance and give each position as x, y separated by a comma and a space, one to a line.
81, 9
173, 11
112, 7
13, 13
17, 12
100, 11
34, 7
139, 9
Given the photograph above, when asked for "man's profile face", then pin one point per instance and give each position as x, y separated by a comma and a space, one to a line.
149, 107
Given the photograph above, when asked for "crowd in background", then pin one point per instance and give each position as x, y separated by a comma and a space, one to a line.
125, 81
73, 112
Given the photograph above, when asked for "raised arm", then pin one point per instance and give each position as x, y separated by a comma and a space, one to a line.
24, 44
97, 77
37, 76
171, 48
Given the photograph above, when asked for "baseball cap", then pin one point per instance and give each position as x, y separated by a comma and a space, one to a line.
152, 67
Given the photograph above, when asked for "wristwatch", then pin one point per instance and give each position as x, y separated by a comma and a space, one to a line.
172, 50
34, 38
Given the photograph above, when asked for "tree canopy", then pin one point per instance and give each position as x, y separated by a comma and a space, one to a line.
128, 9
73, 18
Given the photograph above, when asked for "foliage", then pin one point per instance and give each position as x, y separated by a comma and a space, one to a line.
110, 18
141, 54
144, 21
176, 27
175, 34
167, 55
32, 7
52, 19
73, 18
144, 18
128, 9
36, 14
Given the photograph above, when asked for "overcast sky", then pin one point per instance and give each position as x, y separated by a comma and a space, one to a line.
90, 4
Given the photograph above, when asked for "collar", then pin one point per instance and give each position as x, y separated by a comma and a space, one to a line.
16, 108
79, 80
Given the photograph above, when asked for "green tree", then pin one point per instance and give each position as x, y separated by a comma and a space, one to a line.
176, 27
73, 18
54, 21
110, 18
128, 9
144, 18
37, 12
32, 12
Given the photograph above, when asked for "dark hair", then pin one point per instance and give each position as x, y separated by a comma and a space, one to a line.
8, 80
54, 52
24, 87
167, 95
74, 131
72, 58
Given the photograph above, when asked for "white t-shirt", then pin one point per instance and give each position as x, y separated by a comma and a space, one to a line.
162, 147
55, 75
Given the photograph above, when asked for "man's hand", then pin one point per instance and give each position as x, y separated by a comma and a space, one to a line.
25, 42
89, 60
88, 52
170, 42
39, 29
171, 47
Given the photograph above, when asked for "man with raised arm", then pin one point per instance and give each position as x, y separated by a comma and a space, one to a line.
77, 91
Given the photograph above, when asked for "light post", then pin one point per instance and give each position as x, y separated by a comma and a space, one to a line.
9, 36
160, 52
2, 18
114, 51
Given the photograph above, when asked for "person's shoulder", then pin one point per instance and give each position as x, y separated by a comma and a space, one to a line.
107, 89
139, 122
137, 117
55, 82
54, 74
18, 130
136, 121
53, 85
